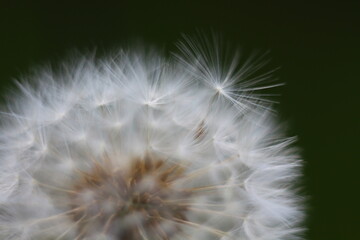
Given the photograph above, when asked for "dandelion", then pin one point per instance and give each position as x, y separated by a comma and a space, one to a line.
138, 146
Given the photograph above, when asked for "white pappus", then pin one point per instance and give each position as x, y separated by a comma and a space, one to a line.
138, 146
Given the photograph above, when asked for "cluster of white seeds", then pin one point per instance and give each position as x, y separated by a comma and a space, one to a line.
137, 146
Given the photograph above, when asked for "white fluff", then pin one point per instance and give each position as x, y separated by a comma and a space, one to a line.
200, 109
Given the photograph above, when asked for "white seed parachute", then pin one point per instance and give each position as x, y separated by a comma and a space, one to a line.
138, 146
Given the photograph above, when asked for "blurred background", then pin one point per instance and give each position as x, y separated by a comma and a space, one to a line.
316, 44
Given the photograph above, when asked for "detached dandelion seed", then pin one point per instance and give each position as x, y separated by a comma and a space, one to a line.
137, 146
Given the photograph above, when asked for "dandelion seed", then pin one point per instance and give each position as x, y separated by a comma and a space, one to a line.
143, 147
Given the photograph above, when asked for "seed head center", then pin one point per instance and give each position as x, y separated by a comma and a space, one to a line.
128, 203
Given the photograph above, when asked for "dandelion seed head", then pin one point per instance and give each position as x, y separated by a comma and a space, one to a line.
138, 146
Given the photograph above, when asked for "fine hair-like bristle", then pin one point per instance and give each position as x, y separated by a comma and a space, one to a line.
138, 146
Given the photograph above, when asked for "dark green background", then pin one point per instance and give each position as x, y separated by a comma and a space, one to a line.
317, 45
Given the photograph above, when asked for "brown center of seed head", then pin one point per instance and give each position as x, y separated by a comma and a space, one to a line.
137, 202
